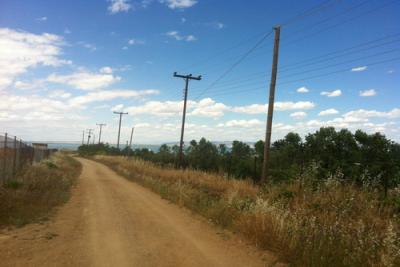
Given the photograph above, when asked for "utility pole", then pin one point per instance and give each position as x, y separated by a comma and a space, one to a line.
119, 128
83, 137
101, 126
268, 133
130, 142
187, 79
90, 131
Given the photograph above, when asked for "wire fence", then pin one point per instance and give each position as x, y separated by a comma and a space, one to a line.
16, 154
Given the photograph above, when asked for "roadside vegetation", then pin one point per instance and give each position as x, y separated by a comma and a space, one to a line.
333, 198
37, 190
316, 223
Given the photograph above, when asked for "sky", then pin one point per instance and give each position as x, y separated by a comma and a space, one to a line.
67, 65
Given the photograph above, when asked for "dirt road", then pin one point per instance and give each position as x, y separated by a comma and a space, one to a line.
110, 221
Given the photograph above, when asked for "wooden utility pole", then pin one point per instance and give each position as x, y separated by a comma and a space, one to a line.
101, 127
83, 137
90, 131
187, 79
268, 133
119, 128
130, 141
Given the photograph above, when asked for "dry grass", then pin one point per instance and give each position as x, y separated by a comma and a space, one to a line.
327, 225
37, 190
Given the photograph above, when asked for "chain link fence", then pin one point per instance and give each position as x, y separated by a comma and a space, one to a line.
16, 154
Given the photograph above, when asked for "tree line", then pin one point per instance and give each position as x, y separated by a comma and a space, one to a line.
359, 158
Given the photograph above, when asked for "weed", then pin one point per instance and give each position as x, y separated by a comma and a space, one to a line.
309, 224
37, 190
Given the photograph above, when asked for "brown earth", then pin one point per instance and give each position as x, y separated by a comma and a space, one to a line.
110, 221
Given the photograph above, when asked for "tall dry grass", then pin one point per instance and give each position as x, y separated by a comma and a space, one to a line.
328, 224
37, 190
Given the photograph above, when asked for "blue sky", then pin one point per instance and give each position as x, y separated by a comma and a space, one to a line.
64, 66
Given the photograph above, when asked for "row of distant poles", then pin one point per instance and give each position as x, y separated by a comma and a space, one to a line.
90, 132
268, 133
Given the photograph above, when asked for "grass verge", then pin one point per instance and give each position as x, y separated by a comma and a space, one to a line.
37, 190
329, 224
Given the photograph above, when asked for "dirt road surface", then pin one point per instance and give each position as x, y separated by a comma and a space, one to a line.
110, 221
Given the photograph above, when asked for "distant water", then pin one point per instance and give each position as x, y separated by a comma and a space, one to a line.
74, 146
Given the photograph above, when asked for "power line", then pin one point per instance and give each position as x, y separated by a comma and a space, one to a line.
253, 82
338, 71
223, 51
303, 79
341, 63
310, 12
240, 60
314, 60
341, 23
300, 16
308, 27
320, 58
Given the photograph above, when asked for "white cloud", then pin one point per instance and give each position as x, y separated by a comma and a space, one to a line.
134, 41
298, 115
191, 38
106, 70
334, 93
159, 108
302, 90
88, 46
179, 4
85, 80
117, 108
117, 6
24, 85
175, 35
59, 94
146, 3
20, 51
242, 123
209, 108
216, 25
282, 106
220, 25
366, 93
328, 112
362, 113
100, 96
359, 69
203, 108
41, 19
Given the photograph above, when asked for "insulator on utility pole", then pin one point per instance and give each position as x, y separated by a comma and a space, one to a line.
187, 78
268, 133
